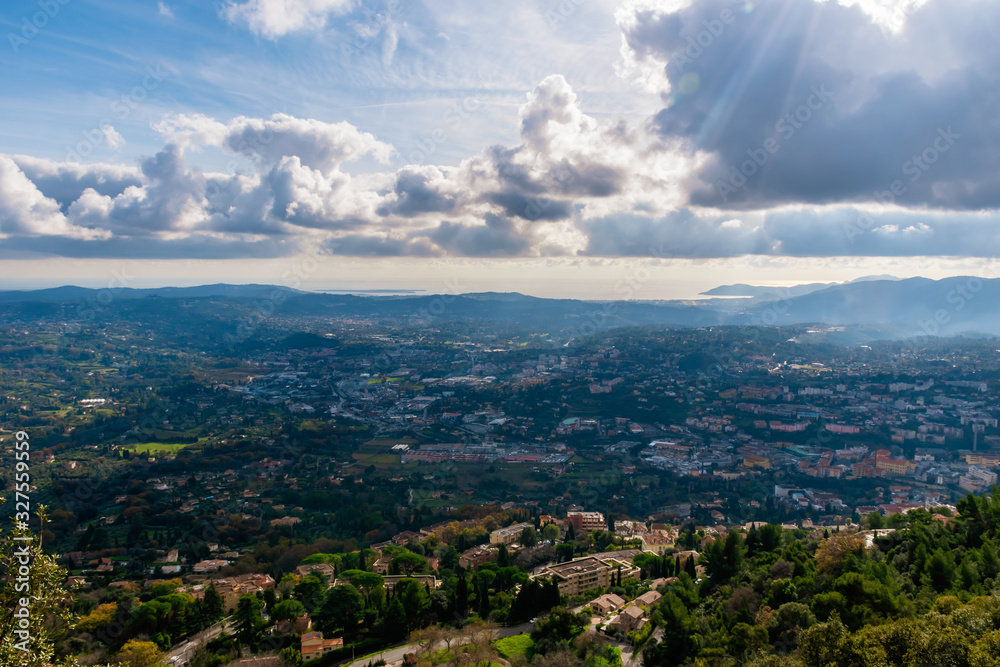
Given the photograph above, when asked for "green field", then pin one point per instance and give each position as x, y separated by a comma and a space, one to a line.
523, 645
155, 447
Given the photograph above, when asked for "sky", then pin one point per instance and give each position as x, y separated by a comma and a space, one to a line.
587, 148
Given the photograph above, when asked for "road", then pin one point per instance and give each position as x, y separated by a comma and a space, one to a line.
180, 654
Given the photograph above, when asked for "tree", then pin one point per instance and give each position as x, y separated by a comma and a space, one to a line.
768, 538
287, 610
366, 582
558, 629
310, 590
214, 604
681, 639
49, 599
834, 550
503, 558
481, 639
139, 654
529, 537
462, 595
414, 599
824, 644
550, 532
343, 607
427, 638
248, 622
744, 638
395, 623
290, 657
100, 617
408, 562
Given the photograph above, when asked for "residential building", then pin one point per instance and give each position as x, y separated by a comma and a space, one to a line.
206, 566
585, 574
314, 646
510, 534
476, 556
656, 543
586, 521
606, 604
423, 579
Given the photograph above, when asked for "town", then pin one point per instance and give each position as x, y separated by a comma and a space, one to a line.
465, 471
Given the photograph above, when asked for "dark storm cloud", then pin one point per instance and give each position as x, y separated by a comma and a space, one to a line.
419, 190
828, 107
531, 208
498, 238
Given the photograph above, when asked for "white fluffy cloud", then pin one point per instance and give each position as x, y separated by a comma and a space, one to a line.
577, 183
24, 211
274, 18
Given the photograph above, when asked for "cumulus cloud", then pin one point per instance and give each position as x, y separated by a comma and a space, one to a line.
788, 127
64, 181
265, 142
25, 211
743, 81
275, 18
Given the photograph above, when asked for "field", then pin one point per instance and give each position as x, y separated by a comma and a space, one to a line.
156, 447
522, 645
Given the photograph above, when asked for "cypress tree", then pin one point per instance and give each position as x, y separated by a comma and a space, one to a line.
690, 568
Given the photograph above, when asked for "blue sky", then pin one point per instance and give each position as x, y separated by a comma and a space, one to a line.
551, 147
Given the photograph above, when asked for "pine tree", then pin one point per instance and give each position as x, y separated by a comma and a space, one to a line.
214, 604
248, 622
503, 558
484, 601
462, 595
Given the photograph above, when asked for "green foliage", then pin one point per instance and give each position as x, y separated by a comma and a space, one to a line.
516, 645
47, 601
558, 629
248, 623
287, 610
342, 609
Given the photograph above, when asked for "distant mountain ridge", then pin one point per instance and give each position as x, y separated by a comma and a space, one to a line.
883, 308
74, 293
923, 307
763, 291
